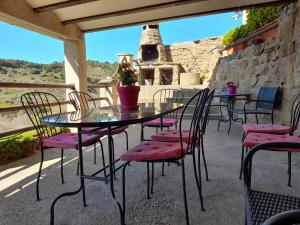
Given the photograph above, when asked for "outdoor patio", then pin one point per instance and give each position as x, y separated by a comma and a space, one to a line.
223, 194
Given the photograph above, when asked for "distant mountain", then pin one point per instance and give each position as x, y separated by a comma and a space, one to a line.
23, 71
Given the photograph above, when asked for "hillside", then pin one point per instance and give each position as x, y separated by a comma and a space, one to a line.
24, 71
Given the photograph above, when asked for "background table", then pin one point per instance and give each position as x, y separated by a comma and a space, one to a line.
105, 117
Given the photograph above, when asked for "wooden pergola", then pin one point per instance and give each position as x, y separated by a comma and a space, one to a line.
69, 20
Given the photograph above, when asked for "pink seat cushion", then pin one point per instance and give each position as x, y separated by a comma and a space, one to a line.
266, 128
70, 140
166, 122
171, 135
115, 129
154, 150
254, 139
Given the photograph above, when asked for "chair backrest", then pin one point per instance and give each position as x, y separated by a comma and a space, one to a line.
169, 96
267, 94
199, 101
206, 111
81, 100
38, 105
224, 99
295, 114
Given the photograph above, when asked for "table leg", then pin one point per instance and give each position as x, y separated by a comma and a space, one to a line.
111, 175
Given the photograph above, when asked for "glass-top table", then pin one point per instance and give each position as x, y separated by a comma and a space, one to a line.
105, 117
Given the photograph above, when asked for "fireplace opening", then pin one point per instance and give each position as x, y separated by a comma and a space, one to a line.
166, 76
149, 52
147, 76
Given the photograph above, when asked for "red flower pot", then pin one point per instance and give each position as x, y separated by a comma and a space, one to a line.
128, 96
231, 90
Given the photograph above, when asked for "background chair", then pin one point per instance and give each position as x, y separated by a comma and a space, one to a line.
155, 151
265, 103
38, 105
164, 96
261, 205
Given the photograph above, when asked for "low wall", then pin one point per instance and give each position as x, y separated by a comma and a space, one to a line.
273, 62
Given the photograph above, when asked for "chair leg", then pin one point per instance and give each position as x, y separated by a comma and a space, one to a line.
142, 132
242, 156
229, 126
290, 168
39, 175
124, 189
148, 181
163, 169
95, 154
152, 178
204, 160
126, 136
62, 166
272, 117
256, 117
198, 182
184, 193
103, 159
113, 156
77, 172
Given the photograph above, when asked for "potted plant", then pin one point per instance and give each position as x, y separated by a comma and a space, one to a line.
231, 87
128, 92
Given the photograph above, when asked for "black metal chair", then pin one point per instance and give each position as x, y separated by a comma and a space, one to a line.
84, 101
221, 105
285, 218
155, 151
261, 205
265, 103
163, 96
38, 105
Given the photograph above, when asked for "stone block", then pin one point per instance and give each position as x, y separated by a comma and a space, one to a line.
249, 51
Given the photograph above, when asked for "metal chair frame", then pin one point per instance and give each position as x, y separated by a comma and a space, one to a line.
294, 122
195, 126
267, 99
294, 203
285, 218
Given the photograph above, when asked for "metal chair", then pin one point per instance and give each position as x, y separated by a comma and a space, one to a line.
261, 205
163, 96
84, 101
285, 218
38, 105
265, 103
251, 139
155, 151
222, 103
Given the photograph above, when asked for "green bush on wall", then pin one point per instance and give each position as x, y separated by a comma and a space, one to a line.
256, 18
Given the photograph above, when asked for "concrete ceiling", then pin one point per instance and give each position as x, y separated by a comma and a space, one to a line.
95, 15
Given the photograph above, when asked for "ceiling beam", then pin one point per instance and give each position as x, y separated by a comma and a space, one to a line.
133, 10
20, 13
231, 9
60, 5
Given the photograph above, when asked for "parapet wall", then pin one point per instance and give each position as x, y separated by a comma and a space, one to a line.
273, 62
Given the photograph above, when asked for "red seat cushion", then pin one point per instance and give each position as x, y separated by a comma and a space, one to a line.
254, 139
171, 135
115, 129
166, 122
70, 140
266, 128
154, 150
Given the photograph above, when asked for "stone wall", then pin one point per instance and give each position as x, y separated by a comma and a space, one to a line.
273, 62
195, 56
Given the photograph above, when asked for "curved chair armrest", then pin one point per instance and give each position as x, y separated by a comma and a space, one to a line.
284, 218
271, 146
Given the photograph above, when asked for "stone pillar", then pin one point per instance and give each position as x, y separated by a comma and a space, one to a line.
129, 58
157, 77
75, 65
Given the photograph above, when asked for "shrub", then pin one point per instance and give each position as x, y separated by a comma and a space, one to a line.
14, 148
256, 18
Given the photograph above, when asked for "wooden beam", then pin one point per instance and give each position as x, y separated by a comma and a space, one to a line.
35, 85
60, 5
132, 10
231, 9
20, 13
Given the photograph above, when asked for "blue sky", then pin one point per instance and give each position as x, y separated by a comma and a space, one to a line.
103, 46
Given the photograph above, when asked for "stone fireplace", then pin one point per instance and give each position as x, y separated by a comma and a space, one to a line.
152, 60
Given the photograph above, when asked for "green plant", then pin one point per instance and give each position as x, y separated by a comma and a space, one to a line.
16, 147
126, 75
256, 18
